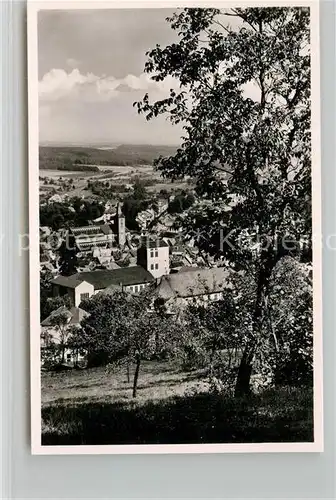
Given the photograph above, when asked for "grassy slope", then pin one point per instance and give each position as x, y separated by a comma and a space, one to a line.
94, 407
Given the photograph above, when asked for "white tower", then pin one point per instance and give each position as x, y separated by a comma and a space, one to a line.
121, 228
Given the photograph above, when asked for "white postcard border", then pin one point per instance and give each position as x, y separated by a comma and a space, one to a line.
32, 33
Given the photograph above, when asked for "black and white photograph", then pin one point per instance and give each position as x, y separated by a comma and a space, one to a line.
175, 265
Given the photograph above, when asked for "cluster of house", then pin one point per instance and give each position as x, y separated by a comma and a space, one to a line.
169, 266
175, 290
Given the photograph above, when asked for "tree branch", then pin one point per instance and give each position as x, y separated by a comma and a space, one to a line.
222, 169
244, 18
222, 26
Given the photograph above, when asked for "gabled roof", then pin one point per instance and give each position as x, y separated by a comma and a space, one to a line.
193, 283
74, 314
102, 278
68, 281
125, 275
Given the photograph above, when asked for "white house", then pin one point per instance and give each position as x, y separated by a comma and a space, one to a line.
153, 255
55, 330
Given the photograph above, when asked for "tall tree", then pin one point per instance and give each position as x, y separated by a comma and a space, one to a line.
242, 94
68, 256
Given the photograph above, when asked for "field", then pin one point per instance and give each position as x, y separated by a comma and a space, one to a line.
157, 381
119, 165
96, 407
116, 174
69, 174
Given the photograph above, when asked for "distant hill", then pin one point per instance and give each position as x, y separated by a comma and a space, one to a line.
76, 157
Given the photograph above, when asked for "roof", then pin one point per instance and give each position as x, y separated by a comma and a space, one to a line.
177, 263
193, 283
86, 230
153, 242
75, 315
106, 229
178, 248
68, 281
102, 278
187, 269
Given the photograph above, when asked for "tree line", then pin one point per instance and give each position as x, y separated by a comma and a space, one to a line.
75, 212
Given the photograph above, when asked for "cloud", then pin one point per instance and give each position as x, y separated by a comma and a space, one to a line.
73, 63
59, 84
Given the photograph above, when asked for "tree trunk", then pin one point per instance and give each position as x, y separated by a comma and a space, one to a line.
128, 370
212, 356
63, 354
244, 373
157, 347
246, 363
136, 375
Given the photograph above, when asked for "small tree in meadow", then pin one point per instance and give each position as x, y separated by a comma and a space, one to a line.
49, 349
123, 327
61, 324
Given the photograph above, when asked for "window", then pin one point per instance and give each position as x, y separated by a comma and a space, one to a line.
152, 253
136, 288
84, 296
156, 266
156, 253
152, 266
68, 357
131, 288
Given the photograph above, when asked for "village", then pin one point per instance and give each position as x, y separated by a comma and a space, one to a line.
105, 255
175, 230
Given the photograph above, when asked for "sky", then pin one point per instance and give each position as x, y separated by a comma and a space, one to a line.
91, 70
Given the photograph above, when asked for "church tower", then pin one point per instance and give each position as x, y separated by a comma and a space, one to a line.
121, 226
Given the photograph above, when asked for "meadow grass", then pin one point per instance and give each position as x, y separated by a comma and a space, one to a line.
95, 407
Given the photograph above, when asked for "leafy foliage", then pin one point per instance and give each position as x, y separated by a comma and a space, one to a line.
68, 257
135, 202
215, 334
60, 323
244, 101
75, 212
291, 322
50, 304
124, 327
181, 202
